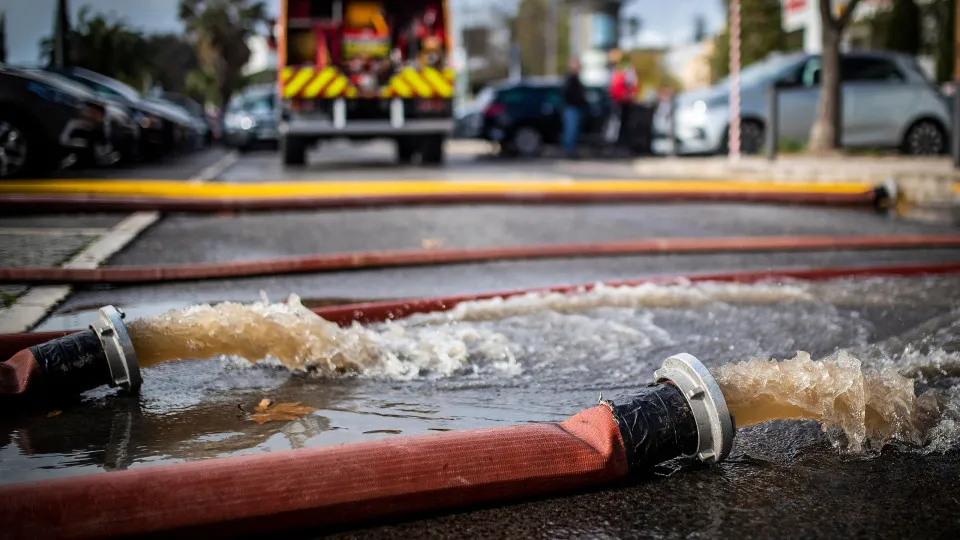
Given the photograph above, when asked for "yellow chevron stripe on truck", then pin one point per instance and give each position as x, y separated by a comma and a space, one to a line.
424, 83
310, 82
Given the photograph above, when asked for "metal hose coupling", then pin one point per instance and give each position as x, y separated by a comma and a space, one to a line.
85, 360
683, 413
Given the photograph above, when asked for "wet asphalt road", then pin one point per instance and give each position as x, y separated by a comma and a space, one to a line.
790, 484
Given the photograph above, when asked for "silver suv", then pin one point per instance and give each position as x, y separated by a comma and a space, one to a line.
887, 103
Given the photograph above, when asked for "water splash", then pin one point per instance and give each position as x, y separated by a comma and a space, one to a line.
300, 340
870, 409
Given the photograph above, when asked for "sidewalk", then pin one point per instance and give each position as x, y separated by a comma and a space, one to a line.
921, 181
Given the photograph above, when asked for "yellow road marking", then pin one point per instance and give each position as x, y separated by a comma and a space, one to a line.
176, 189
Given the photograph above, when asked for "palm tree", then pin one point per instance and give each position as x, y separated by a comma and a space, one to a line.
221, 29
104, 45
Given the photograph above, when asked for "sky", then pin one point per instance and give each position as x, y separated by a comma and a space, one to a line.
664, 23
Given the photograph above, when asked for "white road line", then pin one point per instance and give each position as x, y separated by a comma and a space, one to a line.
34, 305
213, 171
42, 231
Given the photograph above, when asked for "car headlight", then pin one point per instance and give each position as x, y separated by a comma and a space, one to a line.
239, 121
700, 106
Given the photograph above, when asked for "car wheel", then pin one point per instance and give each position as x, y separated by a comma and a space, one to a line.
16, 150
527, 141
406, 148
751, 137
432, 152
294, 150
925, 138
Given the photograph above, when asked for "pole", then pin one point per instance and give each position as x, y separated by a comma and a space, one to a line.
60, 29
551, 39
773, 121
955, 140
734, 135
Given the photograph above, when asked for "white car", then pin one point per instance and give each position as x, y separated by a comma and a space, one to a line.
887, 103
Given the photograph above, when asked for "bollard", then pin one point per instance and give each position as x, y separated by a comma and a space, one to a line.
772, 130
955, 132
672, 125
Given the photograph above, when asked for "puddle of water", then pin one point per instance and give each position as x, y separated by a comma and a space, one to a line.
499, 362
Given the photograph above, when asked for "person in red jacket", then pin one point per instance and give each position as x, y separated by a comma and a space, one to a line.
624, 85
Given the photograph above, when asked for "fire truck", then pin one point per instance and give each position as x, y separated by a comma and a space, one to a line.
363, 70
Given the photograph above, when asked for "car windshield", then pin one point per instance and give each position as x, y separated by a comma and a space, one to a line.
259, 103
111, 87
765, 70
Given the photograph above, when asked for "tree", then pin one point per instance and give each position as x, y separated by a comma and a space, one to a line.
530, 31
171, 59
105, 45
825, 133
651, 72
904, 32
763, 18
3, 37
699, 28
220, 29
945, 12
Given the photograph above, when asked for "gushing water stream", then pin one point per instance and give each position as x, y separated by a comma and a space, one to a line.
867, 407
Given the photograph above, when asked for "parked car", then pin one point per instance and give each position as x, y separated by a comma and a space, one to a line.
202, 121
121, 129
42, 122
158, 129
251, 118
524, 116
189, 131
887, 103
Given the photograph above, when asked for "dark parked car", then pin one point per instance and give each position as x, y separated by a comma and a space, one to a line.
526, 115
122, 131
251, 118
42, 122
160, 132
202, 120
523, 116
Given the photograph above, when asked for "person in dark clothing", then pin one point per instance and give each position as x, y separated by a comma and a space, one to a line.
575, 101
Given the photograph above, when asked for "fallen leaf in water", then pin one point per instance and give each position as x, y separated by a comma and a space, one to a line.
431, 243
268, 410
264, 404
51, 414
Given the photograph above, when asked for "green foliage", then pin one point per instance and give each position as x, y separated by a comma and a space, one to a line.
106, 45
220, 29
903, 28
761, 33
530, 31
650, 69
946, 13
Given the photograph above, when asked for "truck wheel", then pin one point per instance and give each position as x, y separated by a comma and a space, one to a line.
294, 150
432, 152
406, 148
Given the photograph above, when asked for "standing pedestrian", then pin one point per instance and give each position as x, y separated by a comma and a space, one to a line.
575, 101
624, 85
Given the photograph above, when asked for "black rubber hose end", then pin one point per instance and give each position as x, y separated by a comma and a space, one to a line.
656, 425
72, 364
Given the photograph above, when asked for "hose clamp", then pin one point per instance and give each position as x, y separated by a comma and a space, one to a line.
118, 349
715, 428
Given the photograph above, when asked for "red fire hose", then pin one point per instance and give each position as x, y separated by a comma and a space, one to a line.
374, 259
682, 414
